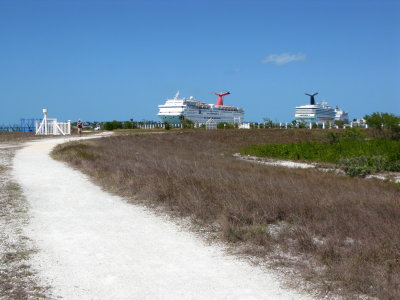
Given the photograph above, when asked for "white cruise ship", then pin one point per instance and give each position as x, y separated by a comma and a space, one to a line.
317, 112
341, 115
199, 112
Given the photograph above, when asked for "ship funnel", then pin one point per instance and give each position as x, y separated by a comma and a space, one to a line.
312, 100
220, 100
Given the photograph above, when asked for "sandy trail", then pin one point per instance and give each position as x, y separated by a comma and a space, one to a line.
93, 245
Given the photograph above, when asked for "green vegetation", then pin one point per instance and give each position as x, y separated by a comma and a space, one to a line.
112, 125
386, 121
167, 125
349, 150
225, 125
186, 123
364, 165
129, 125
383, 120
339, 123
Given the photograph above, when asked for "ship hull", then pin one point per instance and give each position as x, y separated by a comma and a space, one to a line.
315, 113
202, 117
170, 119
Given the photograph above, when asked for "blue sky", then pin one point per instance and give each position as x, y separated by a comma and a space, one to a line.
118, 59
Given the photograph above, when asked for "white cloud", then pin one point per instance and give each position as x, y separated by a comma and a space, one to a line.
284, 58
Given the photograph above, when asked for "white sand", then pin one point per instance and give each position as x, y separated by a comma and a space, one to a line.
93, 245
275, 162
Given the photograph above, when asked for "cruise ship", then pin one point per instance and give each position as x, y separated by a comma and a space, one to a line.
341, 115
199, 112
319, 112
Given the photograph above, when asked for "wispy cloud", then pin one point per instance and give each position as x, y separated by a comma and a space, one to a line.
284, 58
236, 70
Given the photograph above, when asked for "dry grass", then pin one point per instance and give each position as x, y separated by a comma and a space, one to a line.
17, 137
6, 137
345, 230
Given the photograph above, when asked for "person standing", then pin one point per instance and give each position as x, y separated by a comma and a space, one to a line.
80, 125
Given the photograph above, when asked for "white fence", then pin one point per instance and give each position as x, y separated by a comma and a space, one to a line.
52, 127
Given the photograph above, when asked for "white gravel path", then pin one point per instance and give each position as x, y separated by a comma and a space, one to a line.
93, 245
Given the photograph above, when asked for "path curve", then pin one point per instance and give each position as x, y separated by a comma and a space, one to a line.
93, 245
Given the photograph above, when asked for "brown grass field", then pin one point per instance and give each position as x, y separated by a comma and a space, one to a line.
7, 137
340, 233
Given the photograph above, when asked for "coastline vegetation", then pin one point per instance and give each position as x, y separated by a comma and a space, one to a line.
350, 150
339, 232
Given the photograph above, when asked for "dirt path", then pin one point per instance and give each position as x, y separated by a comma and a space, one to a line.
93, 245
18, 279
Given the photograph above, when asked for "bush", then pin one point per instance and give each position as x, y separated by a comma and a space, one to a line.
302, 125
187, 123
355, 166
129, 125
225, 125
167, 125
339, 123
348, 150
354, 134
384, 121
333, 137
112, 125
364, 165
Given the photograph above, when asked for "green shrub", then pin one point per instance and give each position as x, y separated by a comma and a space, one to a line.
363, 165
167, 125
112, 125
333, 137
339, 123
129, 125
355, 166
225, 125
387, 121
186, 123
354, 134
358, 157
394, 166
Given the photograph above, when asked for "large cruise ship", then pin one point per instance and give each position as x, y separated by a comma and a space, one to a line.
319, 112
199, 112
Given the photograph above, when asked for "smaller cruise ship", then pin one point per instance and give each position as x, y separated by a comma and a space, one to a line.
319, 113
341, 115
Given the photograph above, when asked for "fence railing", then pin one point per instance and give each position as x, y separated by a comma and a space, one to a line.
52, 127
255, 125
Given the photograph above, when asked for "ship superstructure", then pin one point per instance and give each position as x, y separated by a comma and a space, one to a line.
318, 113
199, 112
